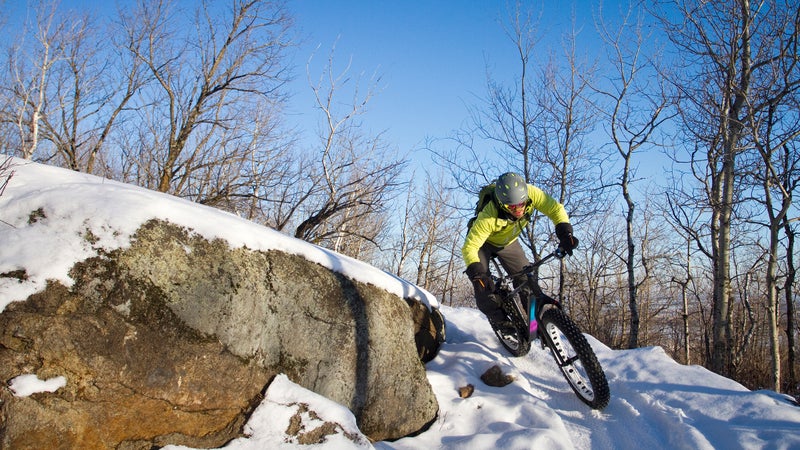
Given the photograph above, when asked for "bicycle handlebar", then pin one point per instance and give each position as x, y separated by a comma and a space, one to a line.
557, 253
529, 269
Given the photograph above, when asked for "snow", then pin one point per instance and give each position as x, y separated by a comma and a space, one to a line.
25, 385
268, 423
74, 203
655, 402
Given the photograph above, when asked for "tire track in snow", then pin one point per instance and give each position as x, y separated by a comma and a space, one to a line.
630, 421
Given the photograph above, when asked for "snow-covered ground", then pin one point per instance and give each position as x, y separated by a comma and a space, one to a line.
45, 213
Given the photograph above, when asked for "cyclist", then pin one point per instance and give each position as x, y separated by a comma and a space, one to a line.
494, 232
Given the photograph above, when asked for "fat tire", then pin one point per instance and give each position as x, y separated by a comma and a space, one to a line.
519, 343
596, 392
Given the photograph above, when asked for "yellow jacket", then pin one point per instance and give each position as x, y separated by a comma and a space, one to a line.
490, 227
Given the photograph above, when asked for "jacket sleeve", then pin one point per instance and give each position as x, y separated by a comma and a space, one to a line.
547, 205
481, 229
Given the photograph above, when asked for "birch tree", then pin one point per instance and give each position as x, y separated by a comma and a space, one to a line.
638, 106
30, 67
89, 94
715, 42
775, 128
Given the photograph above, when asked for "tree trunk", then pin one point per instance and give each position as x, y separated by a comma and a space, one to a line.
633, 337
772, 307
721, 313
685, 286
735, 97
788, 290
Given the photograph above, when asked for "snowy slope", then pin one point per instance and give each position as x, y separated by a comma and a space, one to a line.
655, 402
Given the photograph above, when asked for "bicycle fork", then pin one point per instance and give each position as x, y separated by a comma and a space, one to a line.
535, 304
534, 327
538, 301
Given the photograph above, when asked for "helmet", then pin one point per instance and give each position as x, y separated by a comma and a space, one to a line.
510, 189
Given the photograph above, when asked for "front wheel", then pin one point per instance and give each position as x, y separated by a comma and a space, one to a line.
575, 358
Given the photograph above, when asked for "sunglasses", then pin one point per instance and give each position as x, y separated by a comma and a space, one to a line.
515, 206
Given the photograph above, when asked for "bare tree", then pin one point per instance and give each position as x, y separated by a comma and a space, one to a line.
352, 176
789, 292
30, 66
454, 287
503, 121
567, 165
91, 88
777, 171
430, 234
197, 109
594, 281
715, 41
536, 126
67, 88
6, 173
637, 109
433, 223
406, 240
684, 284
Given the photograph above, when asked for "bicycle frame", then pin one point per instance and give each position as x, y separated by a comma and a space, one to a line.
539, 298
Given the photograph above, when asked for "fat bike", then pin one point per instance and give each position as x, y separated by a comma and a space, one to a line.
543, 318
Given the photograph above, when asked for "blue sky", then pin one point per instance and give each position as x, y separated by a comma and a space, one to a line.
432, 56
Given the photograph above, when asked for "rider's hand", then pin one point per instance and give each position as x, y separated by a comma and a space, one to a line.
480, 278
566, 240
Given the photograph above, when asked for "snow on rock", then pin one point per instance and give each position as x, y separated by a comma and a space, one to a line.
94, 213
29, 384
292, 417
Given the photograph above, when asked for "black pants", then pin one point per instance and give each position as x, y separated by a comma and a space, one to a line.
513, 260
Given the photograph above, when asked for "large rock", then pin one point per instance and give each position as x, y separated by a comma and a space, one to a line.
174, 339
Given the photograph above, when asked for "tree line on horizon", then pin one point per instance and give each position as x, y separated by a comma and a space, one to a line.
192, 102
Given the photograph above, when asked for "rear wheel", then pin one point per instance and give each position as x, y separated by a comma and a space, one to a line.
514, 341
516, 338
575, 358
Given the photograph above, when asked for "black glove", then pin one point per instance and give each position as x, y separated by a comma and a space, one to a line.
480, 278
565, 238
